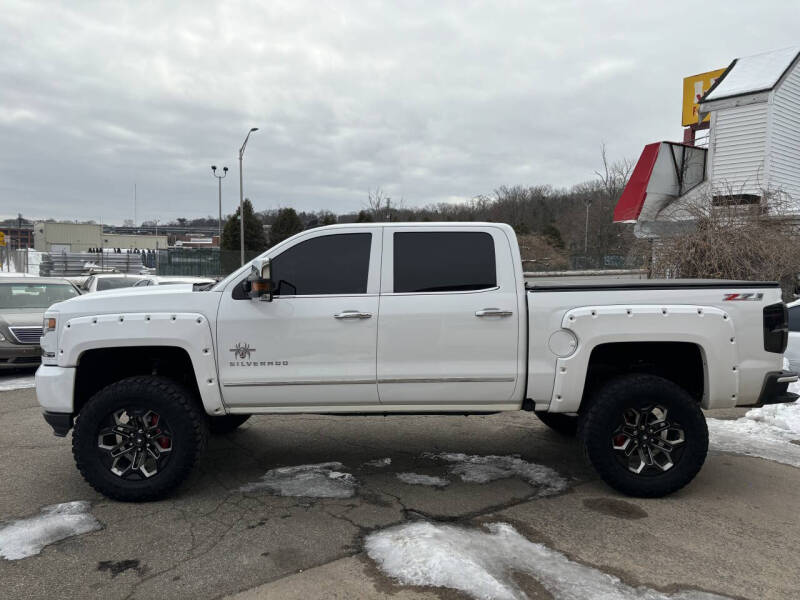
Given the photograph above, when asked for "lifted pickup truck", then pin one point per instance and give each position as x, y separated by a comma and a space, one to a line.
407, 318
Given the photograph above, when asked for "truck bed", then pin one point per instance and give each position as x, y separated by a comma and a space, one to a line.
724, 319
591, 283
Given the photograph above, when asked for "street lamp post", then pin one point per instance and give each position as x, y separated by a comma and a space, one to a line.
241, 194
586, 230
219, 179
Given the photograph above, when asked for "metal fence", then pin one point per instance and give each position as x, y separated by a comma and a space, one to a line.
68, 264
199, 262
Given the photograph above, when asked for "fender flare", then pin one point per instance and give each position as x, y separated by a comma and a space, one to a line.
710, 328
190, 332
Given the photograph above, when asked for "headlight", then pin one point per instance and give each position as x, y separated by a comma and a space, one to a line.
2, 338
49, 324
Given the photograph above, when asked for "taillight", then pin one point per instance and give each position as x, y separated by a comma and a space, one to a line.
776, 327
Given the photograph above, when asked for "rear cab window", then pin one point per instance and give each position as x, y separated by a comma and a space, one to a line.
443, 261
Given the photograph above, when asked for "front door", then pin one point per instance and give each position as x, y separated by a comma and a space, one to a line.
314, 345
449, 330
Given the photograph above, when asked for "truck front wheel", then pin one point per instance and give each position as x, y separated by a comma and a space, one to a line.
645, 435
139, 438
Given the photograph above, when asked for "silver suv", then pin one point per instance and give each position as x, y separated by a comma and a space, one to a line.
23, 301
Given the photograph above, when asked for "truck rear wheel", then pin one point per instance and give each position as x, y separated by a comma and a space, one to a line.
645, 435
139, 438
226, 423
560, 423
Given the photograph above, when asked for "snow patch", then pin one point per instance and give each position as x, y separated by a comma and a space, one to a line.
419, 479
16, 383
766, 432
323, 480
483, 469
27, 537
481, 564
378, 463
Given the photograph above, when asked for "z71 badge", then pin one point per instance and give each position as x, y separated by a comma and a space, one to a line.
755, 296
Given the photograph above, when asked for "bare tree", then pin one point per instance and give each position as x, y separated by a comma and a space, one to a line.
731, 236
381, 205
614, 175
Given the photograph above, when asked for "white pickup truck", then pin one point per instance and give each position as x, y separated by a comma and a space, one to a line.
407, 318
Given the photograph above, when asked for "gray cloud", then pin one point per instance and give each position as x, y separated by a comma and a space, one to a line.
431, 101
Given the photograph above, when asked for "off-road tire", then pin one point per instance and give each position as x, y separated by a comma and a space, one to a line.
604, 412
226, 423
188, 427
560, 423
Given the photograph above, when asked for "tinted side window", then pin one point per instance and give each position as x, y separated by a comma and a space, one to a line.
330, 264
794, 318
444, 261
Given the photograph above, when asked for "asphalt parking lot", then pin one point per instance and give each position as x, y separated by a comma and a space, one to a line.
734, 531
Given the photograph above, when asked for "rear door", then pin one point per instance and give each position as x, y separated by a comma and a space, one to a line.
448, 332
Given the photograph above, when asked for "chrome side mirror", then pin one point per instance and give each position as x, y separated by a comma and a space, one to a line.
260, 281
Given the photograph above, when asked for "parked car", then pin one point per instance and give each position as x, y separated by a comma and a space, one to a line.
408, 318
151, 280
23, 301
109, 281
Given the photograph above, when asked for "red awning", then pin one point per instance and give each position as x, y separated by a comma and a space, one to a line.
633, 196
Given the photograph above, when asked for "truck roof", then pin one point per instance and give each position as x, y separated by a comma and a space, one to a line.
417, 224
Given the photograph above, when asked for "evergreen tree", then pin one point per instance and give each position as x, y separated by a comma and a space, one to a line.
286, 224
254, 238
364, 217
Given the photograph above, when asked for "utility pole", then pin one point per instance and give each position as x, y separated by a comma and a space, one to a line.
157, 247
586, 230
241, 195
134, 205
219, 179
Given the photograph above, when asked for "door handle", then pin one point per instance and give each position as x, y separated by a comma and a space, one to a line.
352, 314
493, 312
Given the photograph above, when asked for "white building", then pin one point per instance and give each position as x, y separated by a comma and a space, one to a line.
753, 150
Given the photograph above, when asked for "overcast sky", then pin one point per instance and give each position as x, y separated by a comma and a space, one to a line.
432, 101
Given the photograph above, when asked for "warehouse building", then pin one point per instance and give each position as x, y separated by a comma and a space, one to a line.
80, 237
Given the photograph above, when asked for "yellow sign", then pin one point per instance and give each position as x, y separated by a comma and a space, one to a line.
2, 239
693, 89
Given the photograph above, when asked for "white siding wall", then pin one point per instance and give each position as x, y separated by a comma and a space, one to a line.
739, 141
783, 160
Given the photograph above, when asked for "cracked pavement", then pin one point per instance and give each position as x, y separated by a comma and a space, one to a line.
733, 531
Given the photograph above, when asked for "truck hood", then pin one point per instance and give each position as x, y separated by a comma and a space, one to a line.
168, 298
175, 287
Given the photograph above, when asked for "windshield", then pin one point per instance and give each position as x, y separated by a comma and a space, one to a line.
34, 295
112, 283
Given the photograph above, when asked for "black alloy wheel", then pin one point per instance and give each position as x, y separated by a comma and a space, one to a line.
644, 435
137, 443
139, 438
